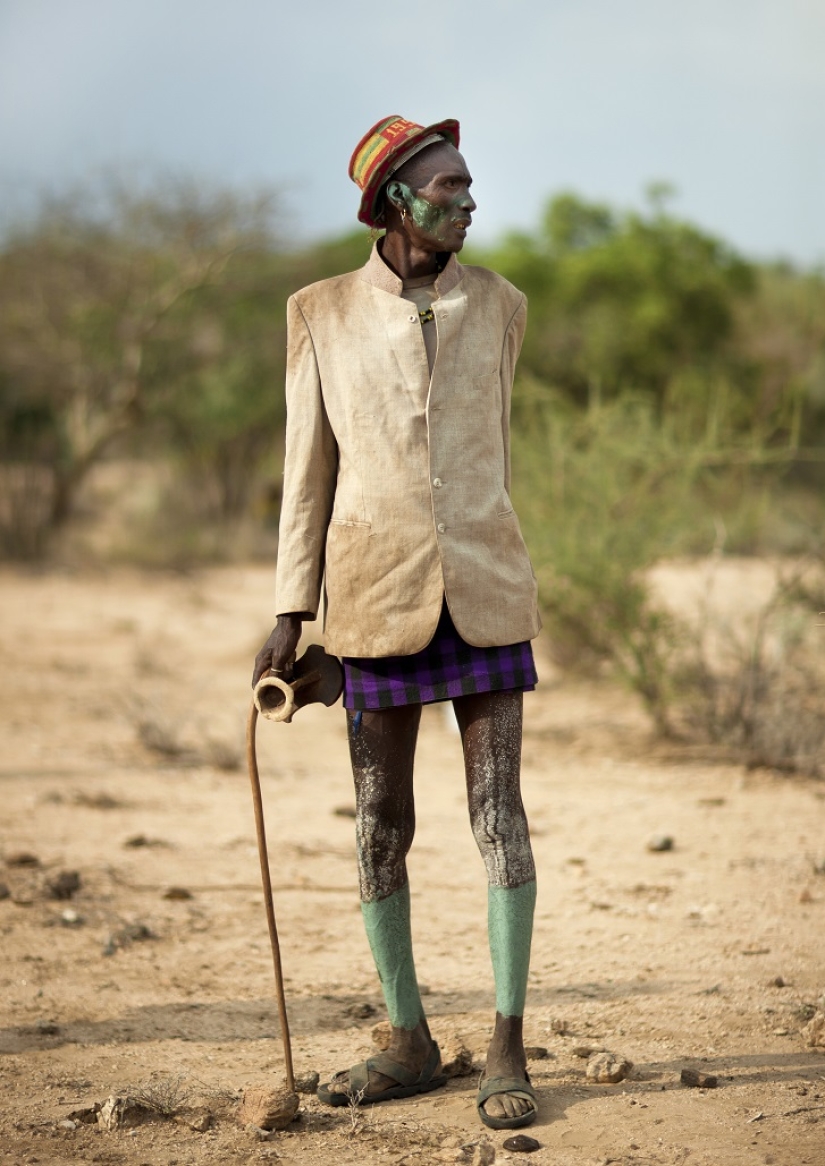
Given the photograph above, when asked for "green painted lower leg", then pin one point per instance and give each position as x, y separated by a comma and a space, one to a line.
510, 930
388, 930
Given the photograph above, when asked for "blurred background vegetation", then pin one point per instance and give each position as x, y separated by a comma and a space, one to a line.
670, 400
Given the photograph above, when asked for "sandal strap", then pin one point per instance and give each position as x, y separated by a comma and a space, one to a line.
515, 1085
384, 1064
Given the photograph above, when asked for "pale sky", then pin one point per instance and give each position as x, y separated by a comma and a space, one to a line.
725, 99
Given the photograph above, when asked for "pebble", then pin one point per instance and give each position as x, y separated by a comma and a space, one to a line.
484, 1154
559, 1026
307, 1082
260, 1135
267, 1109
63, 885
814, 1031
521, 1144
5, 893
22, 858
585, 1051
456, 1058
536, 1053
362, 1011
70, 918
607, 1068
120, 1113
199, 1120
696, 1080
659, 843
177, 894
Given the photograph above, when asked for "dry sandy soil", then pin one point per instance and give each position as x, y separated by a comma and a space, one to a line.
123, 700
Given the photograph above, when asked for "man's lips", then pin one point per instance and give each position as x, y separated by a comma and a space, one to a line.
461, 224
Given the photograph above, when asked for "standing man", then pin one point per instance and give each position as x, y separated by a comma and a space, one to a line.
396, 485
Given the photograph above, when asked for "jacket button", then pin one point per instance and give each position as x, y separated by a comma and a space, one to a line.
441, 528
412, 319
437, 483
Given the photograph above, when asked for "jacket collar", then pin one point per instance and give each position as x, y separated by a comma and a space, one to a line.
376, 272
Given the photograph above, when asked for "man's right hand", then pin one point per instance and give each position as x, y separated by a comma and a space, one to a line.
279, 649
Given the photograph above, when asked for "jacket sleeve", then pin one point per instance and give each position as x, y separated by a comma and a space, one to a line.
509, 355
310, 472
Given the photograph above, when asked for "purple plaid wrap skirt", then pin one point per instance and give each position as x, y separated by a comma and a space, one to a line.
448, 667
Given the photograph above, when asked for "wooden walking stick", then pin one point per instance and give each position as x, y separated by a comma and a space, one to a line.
316, 677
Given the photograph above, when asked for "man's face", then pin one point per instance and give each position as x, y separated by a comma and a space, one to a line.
435, 188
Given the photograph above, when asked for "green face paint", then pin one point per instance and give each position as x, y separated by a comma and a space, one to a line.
445, 221
429, 218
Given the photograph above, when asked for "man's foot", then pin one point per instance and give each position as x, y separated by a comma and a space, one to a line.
410, 1065
507, 1068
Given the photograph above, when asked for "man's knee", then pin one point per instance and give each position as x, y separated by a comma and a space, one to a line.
500, 829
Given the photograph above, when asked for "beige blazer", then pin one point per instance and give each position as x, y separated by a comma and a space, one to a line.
396, 482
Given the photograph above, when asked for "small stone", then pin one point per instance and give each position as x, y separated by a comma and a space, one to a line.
177, 894
64, 884
22, 858
456, 1058
381, 1034
199, 1120
484, 1154
361, 1011
131, 933
268, 1109
607, 1068
67, 1124
659, 843
778, 982
585, 1051
5, 893
521, 1144
344, 811
536, 1053
260, 1135
121, 1113
696, 1080
86, 1116
307, 1083
70, 918
559, 1026
814, 1031
47, 1028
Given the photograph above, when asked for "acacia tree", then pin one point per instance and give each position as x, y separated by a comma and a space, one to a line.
99, 317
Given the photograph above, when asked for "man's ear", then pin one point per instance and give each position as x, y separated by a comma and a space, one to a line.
399, 194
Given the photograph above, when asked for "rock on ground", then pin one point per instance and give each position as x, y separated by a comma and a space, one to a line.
814, 1031
607, 1068
267, 1109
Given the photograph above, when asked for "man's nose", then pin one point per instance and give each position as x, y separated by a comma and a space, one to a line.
467, 202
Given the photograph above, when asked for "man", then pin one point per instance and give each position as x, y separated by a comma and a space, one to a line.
396, 491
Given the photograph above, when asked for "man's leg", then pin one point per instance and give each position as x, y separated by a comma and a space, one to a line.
382, 751
490, 727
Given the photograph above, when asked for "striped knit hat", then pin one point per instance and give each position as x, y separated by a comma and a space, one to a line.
384, 149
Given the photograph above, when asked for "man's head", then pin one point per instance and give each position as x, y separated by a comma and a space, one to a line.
428, 199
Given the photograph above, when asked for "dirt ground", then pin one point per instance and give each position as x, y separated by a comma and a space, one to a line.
123, 698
